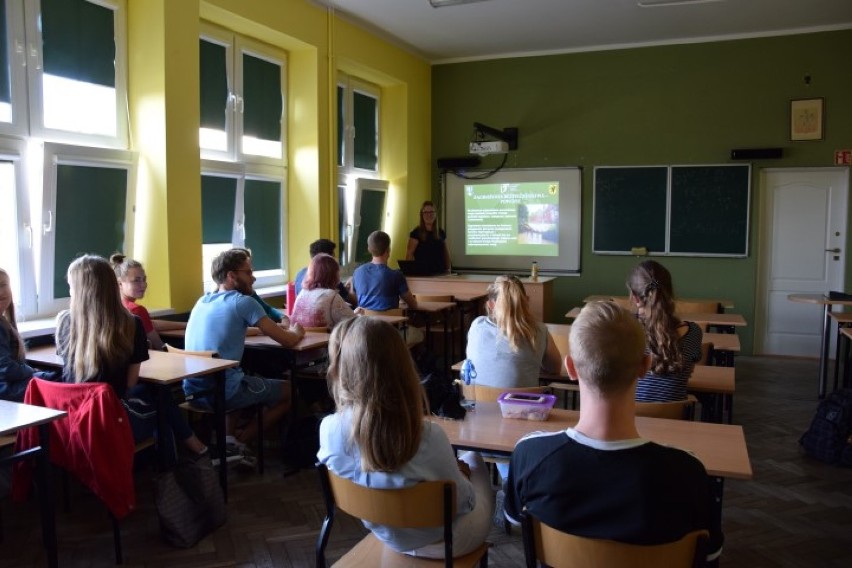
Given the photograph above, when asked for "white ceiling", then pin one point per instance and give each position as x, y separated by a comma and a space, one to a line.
502, 28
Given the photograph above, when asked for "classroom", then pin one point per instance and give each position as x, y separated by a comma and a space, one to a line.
277, 189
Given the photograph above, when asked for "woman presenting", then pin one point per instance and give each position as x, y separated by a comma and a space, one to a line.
427, 243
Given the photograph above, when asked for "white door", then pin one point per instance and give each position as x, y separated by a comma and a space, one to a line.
803, 238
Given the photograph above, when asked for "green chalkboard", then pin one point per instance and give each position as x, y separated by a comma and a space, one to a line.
697, 210
709, 210
630, 209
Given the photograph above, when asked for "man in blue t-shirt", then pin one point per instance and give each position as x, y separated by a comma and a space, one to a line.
218, 322
601, 479
377, 286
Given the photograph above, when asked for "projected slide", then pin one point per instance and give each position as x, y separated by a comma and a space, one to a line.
512, 218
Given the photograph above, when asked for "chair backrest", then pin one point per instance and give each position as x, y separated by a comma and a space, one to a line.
482, 393
171, 349
390, 312
409, 507
549, 546
560, 333
683, 307
319, 329
677, 410
706, 353
434, 297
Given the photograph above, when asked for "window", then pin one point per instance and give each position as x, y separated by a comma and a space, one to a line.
361, 194
63, 127
244, 210
242, 102
63, 72
82, 185
243, 147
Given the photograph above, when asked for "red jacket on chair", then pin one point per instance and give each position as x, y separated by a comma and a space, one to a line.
94, 443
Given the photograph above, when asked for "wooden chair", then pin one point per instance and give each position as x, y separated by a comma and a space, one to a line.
410, 507
677, 410
706, 354
318, 329
557, 549
189, 406
684, 307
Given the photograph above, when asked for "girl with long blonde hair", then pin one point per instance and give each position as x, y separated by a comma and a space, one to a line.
15, 374
100, 341
674, 345
380, 436
509, 348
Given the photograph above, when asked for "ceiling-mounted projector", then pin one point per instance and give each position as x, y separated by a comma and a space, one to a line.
489, 147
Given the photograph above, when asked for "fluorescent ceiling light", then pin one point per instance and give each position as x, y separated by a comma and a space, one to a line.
659, 3
442, 3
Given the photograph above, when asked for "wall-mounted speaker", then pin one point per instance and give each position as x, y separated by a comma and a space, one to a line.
458, 163
757, 154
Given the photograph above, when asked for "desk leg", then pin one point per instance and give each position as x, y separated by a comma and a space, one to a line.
823, 352
219, 413
717, 490
448, 361
45, 492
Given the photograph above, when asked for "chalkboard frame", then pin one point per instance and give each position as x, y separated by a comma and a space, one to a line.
717, 224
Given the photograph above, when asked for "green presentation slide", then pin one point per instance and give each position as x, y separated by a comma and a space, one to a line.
512, 219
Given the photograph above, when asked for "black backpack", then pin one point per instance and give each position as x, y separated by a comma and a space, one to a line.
829, 437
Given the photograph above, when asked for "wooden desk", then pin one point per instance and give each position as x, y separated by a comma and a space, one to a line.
164, 370
827, 304
430, 309
14, 417
726, 304
721, 320
540, 293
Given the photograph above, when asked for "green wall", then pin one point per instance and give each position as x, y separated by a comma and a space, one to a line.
683, 104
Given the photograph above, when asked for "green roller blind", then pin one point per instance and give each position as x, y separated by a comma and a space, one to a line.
78, 41
262, 98
90, 216
5, 79
262, 207
214, 85
366, 125
218, 200
372, 212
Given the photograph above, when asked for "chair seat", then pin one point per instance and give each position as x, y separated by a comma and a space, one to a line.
372, 552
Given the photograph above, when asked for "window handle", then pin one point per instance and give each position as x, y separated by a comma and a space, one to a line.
29, 231
35, 54
21, 50
48, 227
241, 103
232, 101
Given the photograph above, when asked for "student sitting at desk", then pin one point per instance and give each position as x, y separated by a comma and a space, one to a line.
100, 341
15, 374
218, 322
508, 347
319, 304
323, 246
133, 283
600, 479
388, 442
674, 345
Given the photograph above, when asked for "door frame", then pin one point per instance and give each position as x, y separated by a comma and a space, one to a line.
764, 219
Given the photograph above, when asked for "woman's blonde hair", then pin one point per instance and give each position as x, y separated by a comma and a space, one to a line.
371, 373
511, 312
100, 331
651, 284
7, 320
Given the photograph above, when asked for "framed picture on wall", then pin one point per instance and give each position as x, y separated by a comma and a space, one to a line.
807, 119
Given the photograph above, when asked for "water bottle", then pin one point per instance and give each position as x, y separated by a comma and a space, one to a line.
534, 272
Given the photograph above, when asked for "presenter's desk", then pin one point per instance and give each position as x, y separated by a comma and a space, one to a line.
720, 447
540, 293
163, 370
13, 417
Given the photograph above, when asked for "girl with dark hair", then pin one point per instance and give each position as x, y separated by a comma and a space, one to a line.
674, 345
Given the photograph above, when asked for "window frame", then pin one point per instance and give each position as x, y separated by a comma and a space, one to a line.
16, 50
350, 86
35, 72
63, 154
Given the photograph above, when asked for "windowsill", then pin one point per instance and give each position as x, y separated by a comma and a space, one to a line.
47, 326
272, 291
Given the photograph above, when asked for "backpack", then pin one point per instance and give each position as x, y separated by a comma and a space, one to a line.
829, 437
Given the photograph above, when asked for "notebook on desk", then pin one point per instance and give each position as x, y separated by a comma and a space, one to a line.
414, 268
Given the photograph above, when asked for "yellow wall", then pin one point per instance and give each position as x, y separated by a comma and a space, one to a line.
164, 107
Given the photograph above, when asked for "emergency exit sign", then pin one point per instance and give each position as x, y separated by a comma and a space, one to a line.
843, 157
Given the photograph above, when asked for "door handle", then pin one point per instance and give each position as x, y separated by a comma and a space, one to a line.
835, 250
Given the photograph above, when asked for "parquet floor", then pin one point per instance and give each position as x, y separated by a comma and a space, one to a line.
795, 513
